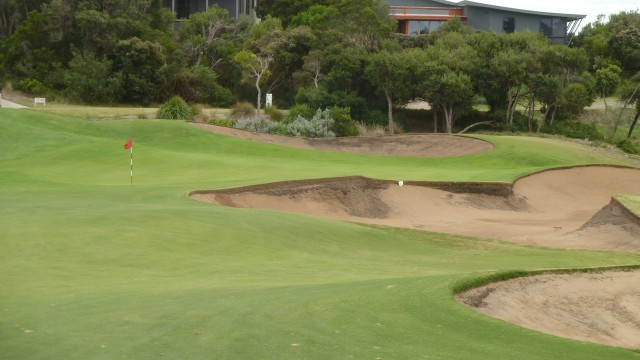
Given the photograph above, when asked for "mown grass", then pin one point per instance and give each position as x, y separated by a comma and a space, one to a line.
631, 202
94, 268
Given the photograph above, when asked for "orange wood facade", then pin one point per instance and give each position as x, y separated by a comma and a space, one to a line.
426, 17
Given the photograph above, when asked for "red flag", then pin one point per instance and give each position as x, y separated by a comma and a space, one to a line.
128, 145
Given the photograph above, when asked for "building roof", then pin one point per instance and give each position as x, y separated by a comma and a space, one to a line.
445, 2
569, 17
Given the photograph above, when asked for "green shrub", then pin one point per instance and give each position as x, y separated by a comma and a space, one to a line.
221, 122
574, 130
303, 110
274, 113
243, 109
32, 86
175, 109
343, 123
629, 146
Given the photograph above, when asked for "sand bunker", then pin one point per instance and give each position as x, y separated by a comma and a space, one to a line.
564, 208
596, 307
415, 145
567, 208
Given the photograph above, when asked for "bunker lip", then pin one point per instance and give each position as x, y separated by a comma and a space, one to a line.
569, 208
410, 145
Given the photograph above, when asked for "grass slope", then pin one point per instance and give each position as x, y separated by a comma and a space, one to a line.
93, 268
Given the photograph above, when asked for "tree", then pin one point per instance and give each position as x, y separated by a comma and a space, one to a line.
512, 65
452, 91
630, 94
139, 62
390, 73
313, 65
257, 67
203, 29
607, 80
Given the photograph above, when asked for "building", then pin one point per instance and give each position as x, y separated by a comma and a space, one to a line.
417, 17
236, 8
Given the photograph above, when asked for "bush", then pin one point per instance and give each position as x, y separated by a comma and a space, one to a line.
259, 124
221, 122
574, 130
274, 113
343, 123
319, 126
176, 109
629, 146
303, 110
243, 109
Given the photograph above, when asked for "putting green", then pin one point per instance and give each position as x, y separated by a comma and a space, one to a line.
94, 268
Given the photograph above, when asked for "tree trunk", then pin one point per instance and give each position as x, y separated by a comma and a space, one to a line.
435, 119
448, 117
389, 111
259, 94
635, 121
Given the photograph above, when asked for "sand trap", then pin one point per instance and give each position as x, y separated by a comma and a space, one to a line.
568, 208
416, 145
565, 208
597, 307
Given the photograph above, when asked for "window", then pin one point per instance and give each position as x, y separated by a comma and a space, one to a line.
435, 25
422, 27
508, 24
414, 27
555, 29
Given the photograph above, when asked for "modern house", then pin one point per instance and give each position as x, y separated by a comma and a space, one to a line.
422, 17
416, 17
236, 8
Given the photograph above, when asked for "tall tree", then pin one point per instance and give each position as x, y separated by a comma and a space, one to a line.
391, 74
257, 66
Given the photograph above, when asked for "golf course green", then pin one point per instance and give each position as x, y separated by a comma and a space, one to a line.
93, 267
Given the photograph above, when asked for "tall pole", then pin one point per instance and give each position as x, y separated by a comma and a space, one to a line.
131, 165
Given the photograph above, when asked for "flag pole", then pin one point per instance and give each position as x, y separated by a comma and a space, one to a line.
131, 165
129, 146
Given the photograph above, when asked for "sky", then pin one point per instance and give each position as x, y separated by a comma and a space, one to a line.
591, 8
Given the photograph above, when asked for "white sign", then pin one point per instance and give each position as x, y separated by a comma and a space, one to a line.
37, 101
269, 101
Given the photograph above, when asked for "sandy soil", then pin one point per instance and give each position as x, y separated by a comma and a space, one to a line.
416, 145
567, 208
564, 208
596, 307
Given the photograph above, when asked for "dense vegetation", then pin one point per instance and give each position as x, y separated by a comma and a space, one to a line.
324, 54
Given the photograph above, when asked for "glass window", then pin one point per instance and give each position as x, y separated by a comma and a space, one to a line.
424, 27
414, 27
508, 24
546, 26
559, 27
435, 25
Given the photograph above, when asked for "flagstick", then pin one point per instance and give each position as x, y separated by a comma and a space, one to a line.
132, 165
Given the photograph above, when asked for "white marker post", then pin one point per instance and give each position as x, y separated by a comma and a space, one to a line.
129, 146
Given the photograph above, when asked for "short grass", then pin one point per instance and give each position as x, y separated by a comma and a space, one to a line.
94, 268
631, 202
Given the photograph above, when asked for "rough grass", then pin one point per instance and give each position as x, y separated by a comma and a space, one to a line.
94, 268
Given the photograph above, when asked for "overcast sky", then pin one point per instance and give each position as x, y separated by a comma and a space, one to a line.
591, 8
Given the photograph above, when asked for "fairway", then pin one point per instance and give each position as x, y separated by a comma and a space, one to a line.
92, 267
